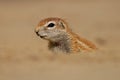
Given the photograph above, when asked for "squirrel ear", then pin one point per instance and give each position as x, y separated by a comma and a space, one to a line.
62, 24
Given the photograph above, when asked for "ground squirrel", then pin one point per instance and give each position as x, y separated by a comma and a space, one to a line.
60, 36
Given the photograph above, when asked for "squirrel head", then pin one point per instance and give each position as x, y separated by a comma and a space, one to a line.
52, 29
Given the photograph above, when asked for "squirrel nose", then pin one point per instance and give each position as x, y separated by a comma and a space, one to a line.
37, 32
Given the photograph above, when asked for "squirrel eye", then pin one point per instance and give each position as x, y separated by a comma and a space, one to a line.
51, 25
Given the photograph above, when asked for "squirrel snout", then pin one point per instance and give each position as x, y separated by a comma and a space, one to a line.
37, 32
40, 33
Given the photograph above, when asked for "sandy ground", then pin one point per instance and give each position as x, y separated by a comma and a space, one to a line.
24, 56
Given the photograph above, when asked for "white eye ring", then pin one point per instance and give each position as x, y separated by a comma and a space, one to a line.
50, 24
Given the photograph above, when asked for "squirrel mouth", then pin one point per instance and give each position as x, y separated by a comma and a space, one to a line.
42, 36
